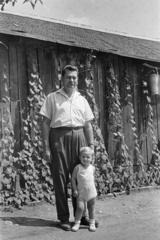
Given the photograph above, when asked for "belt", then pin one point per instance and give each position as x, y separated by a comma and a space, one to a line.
69, 128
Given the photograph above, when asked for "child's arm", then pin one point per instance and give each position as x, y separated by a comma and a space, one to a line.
94, 169
73, 181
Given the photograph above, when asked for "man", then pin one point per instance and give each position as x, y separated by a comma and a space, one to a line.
66, 127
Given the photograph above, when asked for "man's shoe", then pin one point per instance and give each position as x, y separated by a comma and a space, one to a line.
65, 225
85, 222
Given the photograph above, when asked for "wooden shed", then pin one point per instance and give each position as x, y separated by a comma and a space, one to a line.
31, 45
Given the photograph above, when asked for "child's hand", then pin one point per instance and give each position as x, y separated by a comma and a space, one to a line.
75, 193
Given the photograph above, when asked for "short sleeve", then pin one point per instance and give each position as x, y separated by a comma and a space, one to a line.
88, 112
46, 109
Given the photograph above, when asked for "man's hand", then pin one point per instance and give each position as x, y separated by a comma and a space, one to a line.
93, 154
45, 137
75, 193
47, 155
92, 147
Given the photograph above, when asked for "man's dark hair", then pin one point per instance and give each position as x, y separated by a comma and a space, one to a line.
69, 68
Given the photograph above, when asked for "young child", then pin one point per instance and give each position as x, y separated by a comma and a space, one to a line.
84, 188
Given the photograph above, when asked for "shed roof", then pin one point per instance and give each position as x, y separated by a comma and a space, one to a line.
80, 37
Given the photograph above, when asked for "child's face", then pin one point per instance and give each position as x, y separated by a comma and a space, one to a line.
86, 158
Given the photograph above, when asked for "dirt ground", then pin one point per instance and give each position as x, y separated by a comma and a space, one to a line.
124, 217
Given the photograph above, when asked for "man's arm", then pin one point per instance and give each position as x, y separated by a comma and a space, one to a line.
73, 181
88, 131
45, 137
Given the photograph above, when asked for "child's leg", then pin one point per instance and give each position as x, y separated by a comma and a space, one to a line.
78, 214
85, 210
91, 210
79, 209
74, 203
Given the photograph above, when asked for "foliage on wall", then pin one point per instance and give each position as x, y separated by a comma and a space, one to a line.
30, 167
122, 159
150, 124
104, 171
7, 161
33, 173
137, 156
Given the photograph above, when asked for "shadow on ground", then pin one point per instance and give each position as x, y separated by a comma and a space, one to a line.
32, 222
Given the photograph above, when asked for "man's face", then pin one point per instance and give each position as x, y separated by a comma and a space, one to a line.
70, 81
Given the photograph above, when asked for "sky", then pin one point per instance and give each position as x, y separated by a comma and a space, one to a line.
138, 18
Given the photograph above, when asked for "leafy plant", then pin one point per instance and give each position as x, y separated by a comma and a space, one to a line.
27, 178
150, 125
137, 152
122, 159
103, 167
29, 166
13, 2
35, 172
103, 178
7, 160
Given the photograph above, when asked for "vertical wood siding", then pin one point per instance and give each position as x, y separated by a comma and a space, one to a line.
21, 59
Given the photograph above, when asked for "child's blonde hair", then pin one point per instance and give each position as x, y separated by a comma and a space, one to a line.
85, 149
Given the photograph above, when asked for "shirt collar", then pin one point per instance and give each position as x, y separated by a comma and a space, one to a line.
62, 92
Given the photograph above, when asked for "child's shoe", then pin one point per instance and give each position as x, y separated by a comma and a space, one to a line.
75, 226
85, 222
92, 227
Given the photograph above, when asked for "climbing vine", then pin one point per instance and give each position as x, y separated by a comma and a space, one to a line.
122, 158
27, 177
137, 152
30, 167
7, 160
103, 174
150, 125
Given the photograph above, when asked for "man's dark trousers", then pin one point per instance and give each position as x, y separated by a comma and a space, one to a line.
65, 144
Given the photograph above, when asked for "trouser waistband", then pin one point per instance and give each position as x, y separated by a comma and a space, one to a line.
68, 128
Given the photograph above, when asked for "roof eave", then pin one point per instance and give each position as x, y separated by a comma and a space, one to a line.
70, 43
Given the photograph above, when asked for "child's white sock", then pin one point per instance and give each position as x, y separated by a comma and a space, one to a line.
92, 226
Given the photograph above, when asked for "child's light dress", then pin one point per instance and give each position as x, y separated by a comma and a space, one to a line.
86, 186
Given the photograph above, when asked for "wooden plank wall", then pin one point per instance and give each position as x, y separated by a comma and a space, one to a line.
135, 70
22, 57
